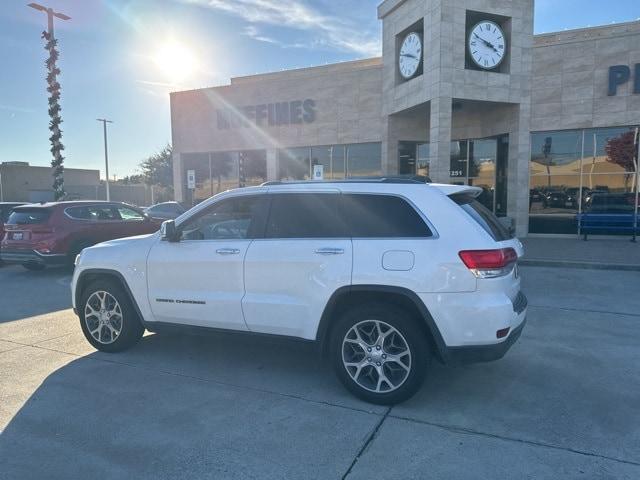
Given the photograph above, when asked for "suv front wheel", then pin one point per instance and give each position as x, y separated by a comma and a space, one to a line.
380, 353
107, 317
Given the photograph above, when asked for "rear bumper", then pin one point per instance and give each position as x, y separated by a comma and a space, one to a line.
482, 353
32, 256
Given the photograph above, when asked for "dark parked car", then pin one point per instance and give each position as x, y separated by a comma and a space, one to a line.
559, 199
616, 203
37, 235
5, 210
165, 210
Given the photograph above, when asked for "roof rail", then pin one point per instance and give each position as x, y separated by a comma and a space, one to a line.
397, 180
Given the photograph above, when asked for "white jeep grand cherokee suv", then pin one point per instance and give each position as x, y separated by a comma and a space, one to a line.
385, 275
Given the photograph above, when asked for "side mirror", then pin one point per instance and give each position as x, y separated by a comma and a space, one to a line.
169, 232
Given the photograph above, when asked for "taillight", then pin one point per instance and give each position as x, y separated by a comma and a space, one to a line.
489, 263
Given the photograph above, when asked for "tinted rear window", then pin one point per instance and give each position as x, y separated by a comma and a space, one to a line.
29, 216
483, 216
382, 216
308, 215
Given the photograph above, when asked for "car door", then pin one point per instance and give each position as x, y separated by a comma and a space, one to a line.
199, 280
303, 259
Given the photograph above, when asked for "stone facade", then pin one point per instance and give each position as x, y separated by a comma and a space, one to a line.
551, 81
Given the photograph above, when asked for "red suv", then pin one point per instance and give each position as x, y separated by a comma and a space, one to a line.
37, 235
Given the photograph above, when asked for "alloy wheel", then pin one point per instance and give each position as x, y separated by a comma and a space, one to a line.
376, 356
103, 317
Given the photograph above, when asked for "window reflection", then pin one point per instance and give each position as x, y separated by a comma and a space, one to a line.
413, 158
294, 163
565, 182
217, 172
364, 159
332, 159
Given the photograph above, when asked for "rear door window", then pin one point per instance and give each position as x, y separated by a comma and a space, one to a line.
483, 216
305, 215
382, 216
129, 214
32, 216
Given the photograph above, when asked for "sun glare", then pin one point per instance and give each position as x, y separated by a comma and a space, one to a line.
176, 61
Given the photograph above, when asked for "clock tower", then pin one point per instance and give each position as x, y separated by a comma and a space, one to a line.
456, 77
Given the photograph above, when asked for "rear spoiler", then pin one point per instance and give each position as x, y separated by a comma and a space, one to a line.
448, 189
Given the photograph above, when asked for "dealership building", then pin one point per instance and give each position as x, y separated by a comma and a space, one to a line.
464, 93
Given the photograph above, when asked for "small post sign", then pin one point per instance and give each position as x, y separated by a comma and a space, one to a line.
191, 179
318, 172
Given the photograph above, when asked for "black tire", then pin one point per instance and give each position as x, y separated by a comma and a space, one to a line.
411, 332
33, 266
131, 327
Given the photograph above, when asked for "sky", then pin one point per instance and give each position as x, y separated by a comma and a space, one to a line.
121, 58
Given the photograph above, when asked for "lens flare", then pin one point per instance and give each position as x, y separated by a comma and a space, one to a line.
176, 61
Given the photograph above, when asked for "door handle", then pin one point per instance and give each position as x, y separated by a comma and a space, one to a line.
227, 251
330, 251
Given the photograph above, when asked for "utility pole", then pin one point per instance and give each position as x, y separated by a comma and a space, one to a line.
106, 155
57, 163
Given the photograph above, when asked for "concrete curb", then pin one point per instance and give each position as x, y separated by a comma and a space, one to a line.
584, 265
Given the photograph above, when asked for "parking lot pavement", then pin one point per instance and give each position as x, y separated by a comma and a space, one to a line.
561, 404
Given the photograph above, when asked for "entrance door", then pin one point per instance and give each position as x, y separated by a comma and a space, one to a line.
482, 162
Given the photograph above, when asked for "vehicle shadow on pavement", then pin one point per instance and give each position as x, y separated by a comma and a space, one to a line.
182, 406
46, 291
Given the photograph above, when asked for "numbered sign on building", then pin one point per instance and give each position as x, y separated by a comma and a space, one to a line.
191, 179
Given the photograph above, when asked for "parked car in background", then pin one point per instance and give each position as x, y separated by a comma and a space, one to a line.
5, 210
165, 210
38, 235
559, 199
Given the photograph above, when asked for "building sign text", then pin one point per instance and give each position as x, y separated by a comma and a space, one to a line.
267, 114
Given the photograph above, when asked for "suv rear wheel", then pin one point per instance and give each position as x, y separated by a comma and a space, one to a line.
380, 353
107, 317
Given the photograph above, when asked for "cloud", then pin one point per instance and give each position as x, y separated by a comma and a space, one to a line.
252, 32
329, 31
15, 109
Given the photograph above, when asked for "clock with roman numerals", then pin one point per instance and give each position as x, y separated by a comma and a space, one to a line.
487, 45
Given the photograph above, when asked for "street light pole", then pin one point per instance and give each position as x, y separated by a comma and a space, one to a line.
57, 163
106, 155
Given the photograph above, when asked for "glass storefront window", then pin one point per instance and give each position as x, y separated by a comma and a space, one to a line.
224, 174
422, 160
601, 180
413, 158
253, 167
216, 172
608, 150
556, 153
332, 158
364, 159
294, 163
482, 169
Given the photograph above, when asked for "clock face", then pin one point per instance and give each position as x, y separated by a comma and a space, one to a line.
410, 55
487, 45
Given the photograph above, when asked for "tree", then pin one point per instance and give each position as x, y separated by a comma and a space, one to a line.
221, 166
621, 150
53, 87
158, 168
